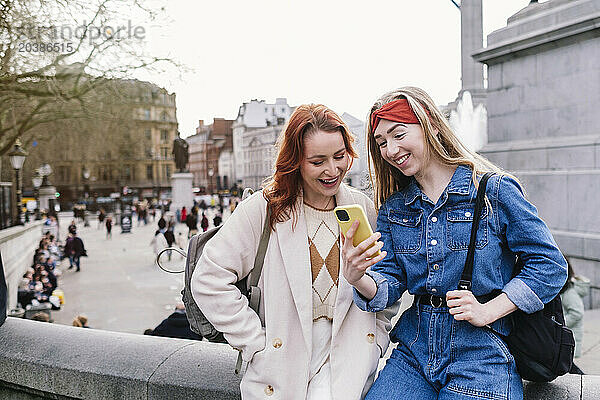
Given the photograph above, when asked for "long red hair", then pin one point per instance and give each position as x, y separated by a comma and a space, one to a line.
282, 188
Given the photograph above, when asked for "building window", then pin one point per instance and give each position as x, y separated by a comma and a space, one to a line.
164, 136
126, 173
164, 152
148, 134
149, 172
147, 114
64, 174
167, 171
148, 152
163, 116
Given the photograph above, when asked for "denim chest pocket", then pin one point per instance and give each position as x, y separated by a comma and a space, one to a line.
458, 227
406, 230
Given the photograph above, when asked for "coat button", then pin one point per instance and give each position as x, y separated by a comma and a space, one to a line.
467, 214
436, 267
269, 390
371, 338
433, 242
404, 220
433, 219
277, 343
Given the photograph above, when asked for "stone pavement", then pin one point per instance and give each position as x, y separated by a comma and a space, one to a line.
589, 362
119, 288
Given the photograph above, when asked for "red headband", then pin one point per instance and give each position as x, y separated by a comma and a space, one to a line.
397, 111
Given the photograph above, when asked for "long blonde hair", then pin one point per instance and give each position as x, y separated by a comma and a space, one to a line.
444, 144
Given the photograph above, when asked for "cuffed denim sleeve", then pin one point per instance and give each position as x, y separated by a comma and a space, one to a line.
379, 301
389, 275
544, 269
523, 297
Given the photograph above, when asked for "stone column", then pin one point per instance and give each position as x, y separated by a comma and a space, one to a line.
471, 40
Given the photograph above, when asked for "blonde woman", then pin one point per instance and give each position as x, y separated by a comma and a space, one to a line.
425, 183
309, 341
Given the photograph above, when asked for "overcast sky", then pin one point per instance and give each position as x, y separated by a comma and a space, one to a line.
341, 53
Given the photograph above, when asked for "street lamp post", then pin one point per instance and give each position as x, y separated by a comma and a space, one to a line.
47, 191
211, 172
85, 173
17, 158
37, 182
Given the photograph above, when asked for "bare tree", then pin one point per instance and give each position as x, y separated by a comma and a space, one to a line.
56, 56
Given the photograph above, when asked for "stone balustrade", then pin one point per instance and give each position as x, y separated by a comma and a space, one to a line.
41, 360
17, 246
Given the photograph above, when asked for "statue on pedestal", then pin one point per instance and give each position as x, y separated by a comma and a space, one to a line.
181, 153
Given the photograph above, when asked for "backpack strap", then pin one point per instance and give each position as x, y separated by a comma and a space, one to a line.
253, 289
467, 274
260, 254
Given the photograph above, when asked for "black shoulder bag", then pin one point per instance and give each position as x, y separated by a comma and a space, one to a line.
540, 343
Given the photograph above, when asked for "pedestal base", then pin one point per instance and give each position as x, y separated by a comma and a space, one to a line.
47, 193
181, 187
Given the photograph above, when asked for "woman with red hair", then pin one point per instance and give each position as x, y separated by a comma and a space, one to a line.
309, 340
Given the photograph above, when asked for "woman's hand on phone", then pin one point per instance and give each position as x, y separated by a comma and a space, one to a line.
358, 259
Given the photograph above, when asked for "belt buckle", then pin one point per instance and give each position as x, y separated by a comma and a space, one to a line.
433, 305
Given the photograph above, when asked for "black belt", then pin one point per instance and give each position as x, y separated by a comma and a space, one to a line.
431, 300
437, 301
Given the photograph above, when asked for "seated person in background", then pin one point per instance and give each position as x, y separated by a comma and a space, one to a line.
175, 325
41, 317
80, 321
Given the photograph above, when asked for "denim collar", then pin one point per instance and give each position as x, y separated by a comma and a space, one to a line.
460, 183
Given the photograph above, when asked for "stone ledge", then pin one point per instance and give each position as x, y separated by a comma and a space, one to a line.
40, 360
542, 143
545, 28
92, 364
16, 231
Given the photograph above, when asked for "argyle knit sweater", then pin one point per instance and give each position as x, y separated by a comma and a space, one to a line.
323, 242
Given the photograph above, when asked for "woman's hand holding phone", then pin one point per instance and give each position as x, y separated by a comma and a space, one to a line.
358, 258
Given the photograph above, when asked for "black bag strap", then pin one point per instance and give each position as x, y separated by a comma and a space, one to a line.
467, 275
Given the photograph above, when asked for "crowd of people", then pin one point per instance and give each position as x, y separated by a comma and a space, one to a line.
39, 283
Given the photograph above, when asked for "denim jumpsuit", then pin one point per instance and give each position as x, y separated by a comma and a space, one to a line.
438, 357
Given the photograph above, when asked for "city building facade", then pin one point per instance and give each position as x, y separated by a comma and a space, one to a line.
124, 148
210, 149
256, 115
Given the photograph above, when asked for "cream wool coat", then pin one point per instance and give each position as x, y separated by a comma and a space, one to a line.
278, 343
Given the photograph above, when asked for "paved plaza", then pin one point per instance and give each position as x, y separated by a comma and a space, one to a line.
119, 288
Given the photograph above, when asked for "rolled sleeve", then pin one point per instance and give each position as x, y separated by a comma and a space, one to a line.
522, 296
379, 301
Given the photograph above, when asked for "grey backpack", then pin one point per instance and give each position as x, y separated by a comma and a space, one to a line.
248, 285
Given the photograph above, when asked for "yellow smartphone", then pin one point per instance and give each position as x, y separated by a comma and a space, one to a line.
346, 215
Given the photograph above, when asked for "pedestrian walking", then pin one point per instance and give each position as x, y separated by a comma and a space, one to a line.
192, 222
101, 217
159, 242
183, 214
74, 249
109, 224
217, 220
204, 222
425, 181
309, 341
162, 223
